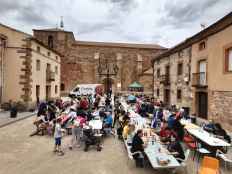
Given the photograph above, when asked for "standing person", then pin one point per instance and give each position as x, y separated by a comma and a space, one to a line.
42, 108
58, 137
108, 120
84, 104
116, 114
110, 92
37, 101
76, 131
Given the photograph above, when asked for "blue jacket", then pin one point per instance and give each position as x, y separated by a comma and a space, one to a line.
108, 120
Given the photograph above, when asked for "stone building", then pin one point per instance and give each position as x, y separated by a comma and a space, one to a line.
211, 71
171, 77
29, 70
81, 60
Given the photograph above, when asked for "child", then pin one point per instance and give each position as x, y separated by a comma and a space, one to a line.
76, 131
58, 137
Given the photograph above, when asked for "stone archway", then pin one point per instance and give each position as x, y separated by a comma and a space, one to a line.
108, 84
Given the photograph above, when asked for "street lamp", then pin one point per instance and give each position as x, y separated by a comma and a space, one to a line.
107, 69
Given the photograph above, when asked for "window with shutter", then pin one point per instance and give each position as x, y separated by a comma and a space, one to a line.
230, 60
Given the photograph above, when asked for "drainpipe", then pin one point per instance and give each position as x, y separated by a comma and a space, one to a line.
2, 54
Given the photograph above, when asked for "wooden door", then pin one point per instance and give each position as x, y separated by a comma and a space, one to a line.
202, 104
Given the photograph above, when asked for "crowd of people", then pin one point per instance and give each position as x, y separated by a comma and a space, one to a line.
166, 122
56, 118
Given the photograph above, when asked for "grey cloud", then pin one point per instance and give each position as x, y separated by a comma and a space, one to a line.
123, 5
91, 27
7, 6
157, 21
31, 16
30, 12
185, 12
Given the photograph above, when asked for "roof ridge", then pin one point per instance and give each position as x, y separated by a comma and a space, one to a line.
121, 44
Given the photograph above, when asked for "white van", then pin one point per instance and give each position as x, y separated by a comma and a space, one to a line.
86, 89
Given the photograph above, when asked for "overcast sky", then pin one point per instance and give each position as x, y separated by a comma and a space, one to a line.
165, 22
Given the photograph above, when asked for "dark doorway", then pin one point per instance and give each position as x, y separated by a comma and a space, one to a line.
167, 97
48, 92
167, 70
108, 83
202, 104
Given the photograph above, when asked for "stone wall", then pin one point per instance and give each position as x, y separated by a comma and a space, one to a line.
80, 60
177, 82
84, 57
147, 81
220, 109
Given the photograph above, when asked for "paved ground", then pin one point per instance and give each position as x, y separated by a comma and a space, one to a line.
5, 117
21, 154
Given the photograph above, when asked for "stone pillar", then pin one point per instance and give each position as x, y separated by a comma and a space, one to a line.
118, 80
96, 60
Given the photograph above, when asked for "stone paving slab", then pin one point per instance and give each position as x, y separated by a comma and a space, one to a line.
5, 118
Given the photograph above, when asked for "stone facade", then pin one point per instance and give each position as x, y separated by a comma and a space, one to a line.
26, 71
81, 60
220, 109
210, 93
175, 82
146, 78
23, 78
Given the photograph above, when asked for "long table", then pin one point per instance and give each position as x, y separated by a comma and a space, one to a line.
208, 138
203, 135
153, 150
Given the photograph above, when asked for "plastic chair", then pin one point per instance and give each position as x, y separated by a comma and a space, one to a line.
209, 165
223, 156
184, 161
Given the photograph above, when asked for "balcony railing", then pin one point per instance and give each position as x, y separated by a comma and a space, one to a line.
165, 79
50, 76
199, 79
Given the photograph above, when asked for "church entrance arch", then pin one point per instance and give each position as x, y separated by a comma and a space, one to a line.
108, 84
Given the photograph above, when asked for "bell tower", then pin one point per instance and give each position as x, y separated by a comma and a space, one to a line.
55, 38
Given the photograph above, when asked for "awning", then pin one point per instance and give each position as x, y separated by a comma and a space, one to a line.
135, 85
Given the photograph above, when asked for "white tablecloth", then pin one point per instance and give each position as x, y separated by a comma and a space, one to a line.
207, 138
152, 151
96, 124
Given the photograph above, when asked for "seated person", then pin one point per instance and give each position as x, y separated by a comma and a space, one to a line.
171, 120
131, 132
210, 127
90, 139
125, 130
176, 147
125, 118
138, 146
41, 124
108, 120
51, 115
165, 132
128, 131
179, 129
221, 133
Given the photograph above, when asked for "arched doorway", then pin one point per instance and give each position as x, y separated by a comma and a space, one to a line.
108, 84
